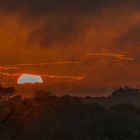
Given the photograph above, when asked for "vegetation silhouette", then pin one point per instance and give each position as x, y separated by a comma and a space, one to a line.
48, 117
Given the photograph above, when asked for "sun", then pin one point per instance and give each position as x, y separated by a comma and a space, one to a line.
29, 79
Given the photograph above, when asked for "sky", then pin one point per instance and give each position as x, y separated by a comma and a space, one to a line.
80, 47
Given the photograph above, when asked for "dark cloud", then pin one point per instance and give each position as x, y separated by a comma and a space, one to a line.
65, 19
51, 6
55, 6
131, 37
63, 30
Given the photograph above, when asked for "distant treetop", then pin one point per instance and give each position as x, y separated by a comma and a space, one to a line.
126, 91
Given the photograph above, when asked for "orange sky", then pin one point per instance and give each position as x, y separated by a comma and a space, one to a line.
90, 47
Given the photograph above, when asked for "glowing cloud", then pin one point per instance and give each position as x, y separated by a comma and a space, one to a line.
29, 78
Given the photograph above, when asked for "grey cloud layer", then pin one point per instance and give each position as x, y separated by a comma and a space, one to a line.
55, 6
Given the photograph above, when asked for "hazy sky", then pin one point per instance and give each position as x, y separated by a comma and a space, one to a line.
85, 47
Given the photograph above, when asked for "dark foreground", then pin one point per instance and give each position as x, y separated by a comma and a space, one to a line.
47, 117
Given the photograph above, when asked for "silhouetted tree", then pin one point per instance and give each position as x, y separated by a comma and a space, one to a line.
126, 91
48, 117
43, 93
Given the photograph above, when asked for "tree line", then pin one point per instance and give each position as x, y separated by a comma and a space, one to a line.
48, 117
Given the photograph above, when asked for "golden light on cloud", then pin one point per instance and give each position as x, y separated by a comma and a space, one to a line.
29, 79
112, 55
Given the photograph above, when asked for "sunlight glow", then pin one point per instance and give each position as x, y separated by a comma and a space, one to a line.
29, 79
